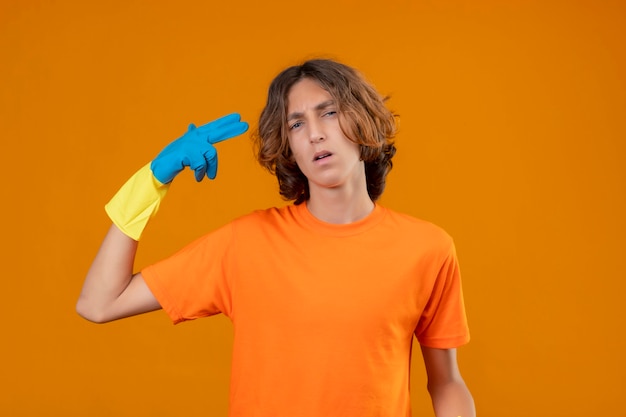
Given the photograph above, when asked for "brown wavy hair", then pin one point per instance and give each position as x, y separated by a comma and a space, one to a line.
364, 120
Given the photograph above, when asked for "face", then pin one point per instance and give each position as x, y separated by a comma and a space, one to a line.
323, 153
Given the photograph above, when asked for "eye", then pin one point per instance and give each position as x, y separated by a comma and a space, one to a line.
330, 113
295, 125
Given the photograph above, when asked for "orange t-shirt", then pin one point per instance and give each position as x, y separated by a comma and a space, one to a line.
323, 314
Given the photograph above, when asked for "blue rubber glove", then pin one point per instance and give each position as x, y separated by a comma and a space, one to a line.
195, 149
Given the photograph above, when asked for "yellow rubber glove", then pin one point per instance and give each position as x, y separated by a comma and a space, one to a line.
136, 202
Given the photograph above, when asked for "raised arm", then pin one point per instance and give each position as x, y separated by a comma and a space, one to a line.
449, 394
110, 290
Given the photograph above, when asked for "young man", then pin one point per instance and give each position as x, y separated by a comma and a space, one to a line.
325, 294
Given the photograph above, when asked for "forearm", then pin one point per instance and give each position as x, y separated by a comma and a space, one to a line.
452, 399
108, 277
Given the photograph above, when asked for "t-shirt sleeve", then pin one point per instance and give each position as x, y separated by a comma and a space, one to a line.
193, 283
443, 323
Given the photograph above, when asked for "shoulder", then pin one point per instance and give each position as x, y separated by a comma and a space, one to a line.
267, 215
264, 220
405, 224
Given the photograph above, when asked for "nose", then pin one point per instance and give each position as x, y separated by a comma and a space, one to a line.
316, 134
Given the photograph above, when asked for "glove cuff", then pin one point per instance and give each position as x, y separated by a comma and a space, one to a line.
136, 202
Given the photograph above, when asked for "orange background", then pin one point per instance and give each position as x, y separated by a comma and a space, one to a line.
512, 138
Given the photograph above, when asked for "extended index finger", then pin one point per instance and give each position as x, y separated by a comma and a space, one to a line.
223, 128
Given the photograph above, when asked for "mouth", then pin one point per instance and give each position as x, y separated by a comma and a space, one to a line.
321, 155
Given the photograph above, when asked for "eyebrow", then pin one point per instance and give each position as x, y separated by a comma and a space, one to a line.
321, 106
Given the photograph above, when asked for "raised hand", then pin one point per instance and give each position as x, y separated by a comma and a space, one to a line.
195, 149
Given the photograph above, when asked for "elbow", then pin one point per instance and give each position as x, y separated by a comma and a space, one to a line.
89, 313
436, 388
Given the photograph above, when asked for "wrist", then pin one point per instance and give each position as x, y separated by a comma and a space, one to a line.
136, 202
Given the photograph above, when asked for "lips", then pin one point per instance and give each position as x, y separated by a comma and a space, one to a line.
321, 155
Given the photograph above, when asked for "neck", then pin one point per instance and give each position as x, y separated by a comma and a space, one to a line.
340, 206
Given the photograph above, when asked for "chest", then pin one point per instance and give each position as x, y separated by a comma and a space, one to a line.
332, 284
